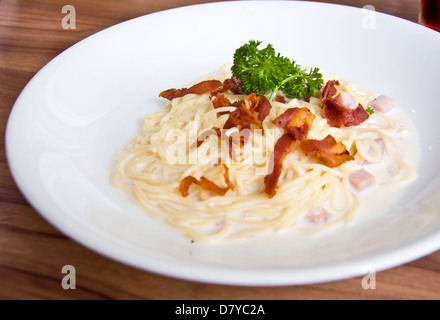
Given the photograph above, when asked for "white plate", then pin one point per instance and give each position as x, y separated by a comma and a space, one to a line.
84, 105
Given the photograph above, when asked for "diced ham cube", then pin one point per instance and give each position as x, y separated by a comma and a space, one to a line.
347, 100
361, 179
318, 216
382, 104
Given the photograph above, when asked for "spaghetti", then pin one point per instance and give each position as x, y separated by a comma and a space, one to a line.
169, 150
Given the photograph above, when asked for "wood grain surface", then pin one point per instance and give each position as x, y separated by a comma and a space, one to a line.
32, 252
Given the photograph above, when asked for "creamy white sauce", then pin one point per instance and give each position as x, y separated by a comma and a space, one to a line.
385, 193
382, 196
373, 201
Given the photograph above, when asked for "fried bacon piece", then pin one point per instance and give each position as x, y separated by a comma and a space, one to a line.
240, 117
263, 108
219, 100
206, 184
231, 84
252, 110
337, 114
199, 88
280, 99
329, 89
207, 86
327, 151
282, 148
244, 114
297, 121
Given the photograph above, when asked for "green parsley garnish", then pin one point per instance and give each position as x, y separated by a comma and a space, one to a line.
370, 111
262, 70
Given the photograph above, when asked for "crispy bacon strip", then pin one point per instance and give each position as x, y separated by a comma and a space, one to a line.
240, 117
327, 151
282, 148
226, 176
206, 184
330, 89
220, 101
280, 99
263, 108
244, 115
338, 115
352, 118
199, 88
252, 110
231, 84
297, 121
212, 86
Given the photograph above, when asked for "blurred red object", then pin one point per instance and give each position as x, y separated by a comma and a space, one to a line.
430, 14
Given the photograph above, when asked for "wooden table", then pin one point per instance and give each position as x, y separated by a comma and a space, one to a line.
32, 252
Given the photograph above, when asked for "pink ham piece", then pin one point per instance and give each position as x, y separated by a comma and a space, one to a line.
318, 216
382, 104
347, 100
361, 179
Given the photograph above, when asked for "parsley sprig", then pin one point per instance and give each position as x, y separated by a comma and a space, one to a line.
370, 111
263, 70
